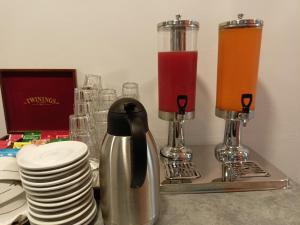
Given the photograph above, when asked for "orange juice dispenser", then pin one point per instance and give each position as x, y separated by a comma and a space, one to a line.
238, 60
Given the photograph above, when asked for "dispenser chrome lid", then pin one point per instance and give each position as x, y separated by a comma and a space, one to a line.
241, 23
178, 23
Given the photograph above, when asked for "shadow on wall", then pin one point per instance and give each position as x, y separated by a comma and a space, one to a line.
198, 129
149, 97
258, 133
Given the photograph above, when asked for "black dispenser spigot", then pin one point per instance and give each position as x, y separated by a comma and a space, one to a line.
246, 105
182, 101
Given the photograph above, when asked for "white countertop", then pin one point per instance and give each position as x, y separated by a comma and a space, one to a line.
277, 207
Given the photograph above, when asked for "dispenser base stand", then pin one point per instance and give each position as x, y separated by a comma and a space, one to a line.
176, 149
225, 153
256, 174
177, 153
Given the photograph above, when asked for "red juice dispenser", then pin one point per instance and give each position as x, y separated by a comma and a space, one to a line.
177, 74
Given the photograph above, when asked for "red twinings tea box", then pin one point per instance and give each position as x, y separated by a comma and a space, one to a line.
37, 99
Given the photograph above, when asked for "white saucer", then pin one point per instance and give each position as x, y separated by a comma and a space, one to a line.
51, 156
9, 175
55, 171
11, 193
86, 220
9, 164
56, 182
60, 186
7, 185
52, 177
62, 208
13, 204
61, 198
9, 190
14, 212
57, 215
68, 220
60, 191
57, 204
89, 218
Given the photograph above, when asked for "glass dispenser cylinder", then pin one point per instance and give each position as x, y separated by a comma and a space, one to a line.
238, 59
177, 74
177, 66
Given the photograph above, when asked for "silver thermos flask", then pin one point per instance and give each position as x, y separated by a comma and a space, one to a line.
129, 167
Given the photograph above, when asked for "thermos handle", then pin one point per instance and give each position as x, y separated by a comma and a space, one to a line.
246, 106
138, 148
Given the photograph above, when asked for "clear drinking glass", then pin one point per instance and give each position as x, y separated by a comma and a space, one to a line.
84, 108
107, 97
130, 90
101, 116
88, 139
85, 95
92, 81
100, 125
81, 130
79, 124
82, 96
100, 129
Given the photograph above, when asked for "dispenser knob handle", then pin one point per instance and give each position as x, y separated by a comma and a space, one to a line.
240, 16
178, 17
182, 101
246, 105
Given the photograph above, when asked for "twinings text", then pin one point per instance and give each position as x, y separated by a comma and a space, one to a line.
41, 100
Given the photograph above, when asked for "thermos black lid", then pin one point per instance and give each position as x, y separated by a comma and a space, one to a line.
121, 112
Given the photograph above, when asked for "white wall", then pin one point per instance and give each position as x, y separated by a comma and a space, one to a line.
118, 40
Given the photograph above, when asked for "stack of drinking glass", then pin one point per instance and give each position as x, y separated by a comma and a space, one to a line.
82, 122
88, 124
106, 98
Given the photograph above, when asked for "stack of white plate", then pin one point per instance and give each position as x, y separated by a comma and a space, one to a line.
9, 169
58, 183
12, 203
12, 197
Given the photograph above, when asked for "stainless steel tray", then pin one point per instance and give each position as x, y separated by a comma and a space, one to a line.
260, 176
